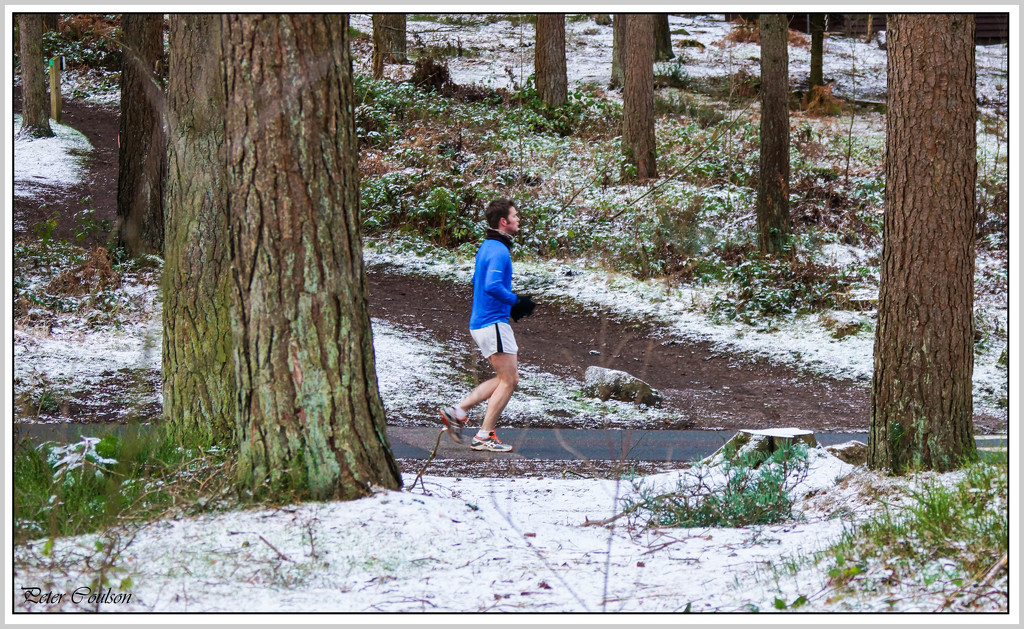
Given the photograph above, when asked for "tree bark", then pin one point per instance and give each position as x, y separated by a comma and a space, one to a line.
310, 418
638, 139
817, 28
549, 60
921, 394
773, 187
662, 38
618, 37
198, 370
35, 116
142, 153
388, 41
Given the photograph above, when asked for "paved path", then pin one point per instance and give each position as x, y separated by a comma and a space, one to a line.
576, 444
529, 443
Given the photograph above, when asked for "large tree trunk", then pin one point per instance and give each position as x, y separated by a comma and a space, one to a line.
662, 38
388, 41
921, 395
817, 28
142, 155
198, 371
549, 61
35, 116
638, 141
618, 38
773, 186
310, 418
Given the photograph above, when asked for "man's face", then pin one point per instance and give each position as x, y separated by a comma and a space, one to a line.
510, 225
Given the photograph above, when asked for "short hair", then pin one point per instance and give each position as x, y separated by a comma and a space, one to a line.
497, 210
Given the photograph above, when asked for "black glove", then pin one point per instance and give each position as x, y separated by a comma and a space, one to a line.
523, 308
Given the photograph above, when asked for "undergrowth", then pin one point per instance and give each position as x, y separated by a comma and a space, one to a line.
952, 538
749, 488
65, 490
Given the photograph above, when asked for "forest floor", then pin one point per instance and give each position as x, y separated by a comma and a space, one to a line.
703, 387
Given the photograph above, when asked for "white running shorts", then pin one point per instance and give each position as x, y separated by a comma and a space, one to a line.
495, 338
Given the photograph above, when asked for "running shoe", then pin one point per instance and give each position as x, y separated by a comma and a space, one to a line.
491, 444
453, 423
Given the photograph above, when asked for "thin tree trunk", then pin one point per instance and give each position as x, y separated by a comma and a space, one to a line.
310, 418
618, 36
549, 61
198, 371
142, 154
638, 138
817, 28
921, 395
773, 187
388, 41
662, 38
35, 116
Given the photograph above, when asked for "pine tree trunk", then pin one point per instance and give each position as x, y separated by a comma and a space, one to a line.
817, 28
142, 155
198, 371
388, 41
310, 418
618, 37
35, 117
549, 61
638, 139
921, 402
662, 38
773, 186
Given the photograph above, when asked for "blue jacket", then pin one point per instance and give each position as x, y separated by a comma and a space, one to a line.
492, 285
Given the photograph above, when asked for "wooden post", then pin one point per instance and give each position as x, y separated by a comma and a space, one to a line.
55, 100
870, 29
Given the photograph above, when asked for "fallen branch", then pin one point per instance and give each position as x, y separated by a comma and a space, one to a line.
279, 553
433, 453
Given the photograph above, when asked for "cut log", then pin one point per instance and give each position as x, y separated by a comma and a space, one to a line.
762, 441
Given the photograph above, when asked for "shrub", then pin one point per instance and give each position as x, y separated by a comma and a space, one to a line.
752, 488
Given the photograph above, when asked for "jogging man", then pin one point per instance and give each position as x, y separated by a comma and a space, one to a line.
493, 304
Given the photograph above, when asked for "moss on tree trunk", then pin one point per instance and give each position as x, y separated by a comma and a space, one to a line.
310, 418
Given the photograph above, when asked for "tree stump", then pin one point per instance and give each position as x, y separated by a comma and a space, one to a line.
763, 441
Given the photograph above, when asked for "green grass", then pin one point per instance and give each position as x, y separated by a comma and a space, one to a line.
134, 478
944, 538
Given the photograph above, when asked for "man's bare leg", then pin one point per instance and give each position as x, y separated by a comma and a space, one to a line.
480, 394
507, 368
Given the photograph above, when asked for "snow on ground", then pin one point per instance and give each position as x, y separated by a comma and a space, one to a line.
452, 545
505, 55
48, 163
479, 544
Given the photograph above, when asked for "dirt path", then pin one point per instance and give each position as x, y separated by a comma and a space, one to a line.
707, 388
97, 191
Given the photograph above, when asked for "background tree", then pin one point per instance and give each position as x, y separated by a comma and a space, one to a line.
549, 60
198, 370
662, 38
35, 116
773, 185
817, 28
921, 393
618, 37
310, 417
388, 41
638, 140
142, 153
